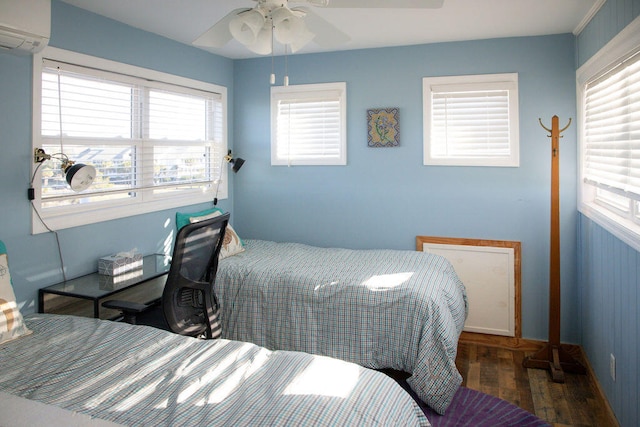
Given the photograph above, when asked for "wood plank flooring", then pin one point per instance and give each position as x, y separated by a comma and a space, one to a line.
499, 372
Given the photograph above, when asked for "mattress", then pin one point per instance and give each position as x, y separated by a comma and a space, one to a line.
138, 375
394, 309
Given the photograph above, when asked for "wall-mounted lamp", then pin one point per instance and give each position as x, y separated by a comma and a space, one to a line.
78, 175
237, 164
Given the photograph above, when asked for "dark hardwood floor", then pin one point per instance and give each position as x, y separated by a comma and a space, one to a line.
499, 372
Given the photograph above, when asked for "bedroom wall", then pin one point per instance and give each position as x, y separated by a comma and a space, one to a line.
609, 270
384, 197
34, 260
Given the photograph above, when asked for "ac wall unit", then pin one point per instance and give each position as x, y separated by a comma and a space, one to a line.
25, 25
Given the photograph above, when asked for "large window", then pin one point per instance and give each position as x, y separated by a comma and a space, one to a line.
156, 140
609, 102
308, 124
471, 120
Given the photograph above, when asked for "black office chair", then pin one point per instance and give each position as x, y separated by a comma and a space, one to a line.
188, 305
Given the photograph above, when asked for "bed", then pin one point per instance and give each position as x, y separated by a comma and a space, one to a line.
90, 372
382, 309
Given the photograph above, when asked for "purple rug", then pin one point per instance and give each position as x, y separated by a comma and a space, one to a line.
473, 408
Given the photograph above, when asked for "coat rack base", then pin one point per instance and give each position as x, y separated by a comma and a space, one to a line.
557, 359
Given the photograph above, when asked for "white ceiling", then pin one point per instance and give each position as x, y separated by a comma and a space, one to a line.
185, 20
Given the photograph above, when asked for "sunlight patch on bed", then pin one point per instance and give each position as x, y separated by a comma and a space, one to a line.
139, 396
233, 381
325, 377
387, 281
212, 374
131, 380
322, 286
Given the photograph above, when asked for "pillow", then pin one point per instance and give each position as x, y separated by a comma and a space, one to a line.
232, 244
183, 219
11, 322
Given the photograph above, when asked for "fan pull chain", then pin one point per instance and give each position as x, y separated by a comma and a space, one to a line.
272, 79
286, 66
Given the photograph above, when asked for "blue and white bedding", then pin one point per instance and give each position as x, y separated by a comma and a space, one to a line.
395, 309
137, 375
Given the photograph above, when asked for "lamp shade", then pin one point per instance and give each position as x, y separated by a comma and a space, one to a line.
262, 43
287, 26
246, 26
80, 176
237, 164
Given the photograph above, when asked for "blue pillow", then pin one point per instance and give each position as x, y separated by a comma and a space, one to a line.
182, 219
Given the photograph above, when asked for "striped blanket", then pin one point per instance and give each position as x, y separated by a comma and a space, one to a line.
378, 308
137, 375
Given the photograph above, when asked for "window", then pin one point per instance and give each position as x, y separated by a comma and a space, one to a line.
471, 120
308, 124
609, 102
156, 140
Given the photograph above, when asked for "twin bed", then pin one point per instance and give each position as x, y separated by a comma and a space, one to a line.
402, 310
73, 371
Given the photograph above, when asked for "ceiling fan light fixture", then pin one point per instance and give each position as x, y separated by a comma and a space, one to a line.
288, 25
246, 26
262, 44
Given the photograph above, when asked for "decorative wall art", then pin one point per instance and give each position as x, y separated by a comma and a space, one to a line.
384, 127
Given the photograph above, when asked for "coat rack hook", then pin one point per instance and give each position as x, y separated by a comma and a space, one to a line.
565, 128
546, 128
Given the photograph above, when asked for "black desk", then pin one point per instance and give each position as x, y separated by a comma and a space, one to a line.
84, 295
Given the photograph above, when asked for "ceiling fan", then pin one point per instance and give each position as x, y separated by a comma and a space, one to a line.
257, 27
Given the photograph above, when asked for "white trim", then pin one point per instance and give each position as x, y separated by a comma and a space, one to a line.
589, 16
621, 46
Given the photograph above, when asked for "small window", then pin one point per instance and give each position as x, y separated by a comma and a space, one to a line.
308, 124
155, 144
471, 120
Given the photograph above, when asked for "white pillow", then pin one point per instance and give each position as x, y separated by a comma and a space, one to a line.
232, 244
11, 322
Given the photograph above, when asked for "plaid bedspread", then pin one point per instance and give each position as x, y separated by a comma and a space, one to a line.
136, 375
378, 308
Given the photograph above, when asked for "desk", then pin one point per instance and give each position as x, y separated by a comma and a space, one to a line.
84, 295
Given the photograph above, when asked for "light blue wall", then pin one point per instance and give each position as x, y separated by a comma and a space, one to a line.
385, 197
609, 270
34, 260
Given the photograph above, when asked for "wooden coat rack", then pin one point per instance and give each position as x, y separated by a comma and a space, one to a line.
554, 356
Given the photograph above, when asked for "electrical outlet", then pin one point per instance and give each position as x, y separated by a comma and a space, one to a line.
612, 366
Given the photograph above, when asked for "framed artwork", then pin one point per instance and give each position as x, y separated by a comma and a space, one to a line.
383, 127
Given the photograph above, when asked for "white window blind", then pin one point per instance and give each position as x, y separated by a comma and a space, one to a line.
471, 120
135, 135
155, 144
611, 130
308, 125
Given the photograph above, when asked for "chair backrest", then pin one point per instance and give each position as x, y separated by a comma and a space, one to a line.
188, 301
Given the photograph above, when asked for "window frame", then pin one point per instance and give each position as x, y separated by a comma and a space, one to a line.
80, 214
308, 91
625, 225
472, 83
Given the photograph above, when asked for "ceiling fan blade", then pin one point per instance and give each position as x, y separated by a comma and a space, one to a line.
326, 34
389, 4
219, 34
